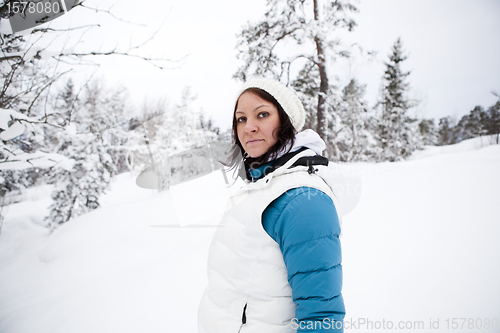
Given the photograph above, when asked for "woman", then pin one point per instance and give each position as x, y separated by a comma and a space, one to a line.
275, 261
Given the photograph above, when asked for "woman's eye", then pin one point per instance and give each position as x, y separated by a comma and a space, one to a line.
263, 114
241, 119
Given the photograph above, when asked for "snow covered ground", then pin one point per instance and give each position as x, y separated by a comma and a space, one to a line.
422, 245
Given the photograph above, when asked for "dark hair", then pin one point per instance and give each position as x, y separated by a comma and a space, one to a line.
285, 135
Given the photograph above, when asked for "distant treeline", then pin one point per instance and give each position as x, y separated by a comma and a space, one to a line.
478, 122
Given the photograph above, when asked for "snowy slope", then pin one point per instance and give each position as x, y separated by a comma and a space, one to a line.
422, 243
466, 145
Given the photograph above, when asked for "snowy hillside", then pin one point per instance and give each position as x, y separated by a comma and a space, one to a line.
423, 244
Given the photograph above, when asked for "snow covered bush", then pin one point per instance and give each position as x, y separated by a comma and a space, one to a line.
94, 143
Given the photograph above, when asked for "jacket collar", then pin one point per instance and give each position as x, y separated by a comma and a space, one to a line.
309, 161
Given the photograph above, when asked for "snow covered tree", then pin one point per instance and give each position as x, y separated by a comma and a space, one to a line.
428, 132
23, 82
462, 131
92, 142
29, 71
478, 122
79, 186
397, 132
301, 31
474, 124
307, 88
447, 131
355, 140
493, 126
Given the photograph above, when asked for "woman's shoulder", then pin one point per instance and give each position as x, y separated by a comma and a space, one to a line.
295, 197
306, 209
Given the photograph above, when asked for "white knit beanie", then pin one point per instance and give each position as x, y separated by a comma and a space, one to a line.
286, 98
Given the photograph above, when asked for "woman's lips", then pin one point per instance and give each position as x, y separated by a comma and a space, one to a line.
254, 141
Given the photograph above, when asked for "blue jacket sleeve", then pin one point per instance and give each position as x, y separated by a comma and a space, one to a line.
305, 224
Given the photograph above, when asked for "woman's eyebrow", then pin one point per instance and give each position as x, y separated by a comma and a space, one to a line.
259, 107
253, 109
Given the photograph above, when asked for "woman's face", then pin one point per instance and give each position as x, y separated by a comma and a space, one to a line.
256, 122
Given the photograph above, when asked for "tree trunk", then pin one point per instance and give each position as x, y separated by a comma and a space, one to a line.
354, 151
323, 87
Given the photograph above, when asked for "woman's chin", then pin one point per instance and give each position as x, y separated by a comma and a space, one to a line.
255, 153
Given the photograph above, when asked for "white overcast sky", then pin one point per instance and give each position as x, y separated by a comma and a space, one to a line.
453, 48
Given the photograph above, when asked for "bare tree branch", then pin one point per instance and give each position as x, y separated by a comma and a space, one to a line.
44, 30
111, 14
51, 81
154, 34
7, 58
114, 52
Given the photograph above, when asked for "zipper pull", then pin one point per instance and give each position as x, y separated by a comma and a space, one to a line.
311, 169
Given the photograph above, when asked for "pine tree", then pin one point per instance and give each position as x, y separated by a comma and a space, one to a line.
428, 132
355, 141
397, 132
78, 188
475, 122
461, 130
493, 126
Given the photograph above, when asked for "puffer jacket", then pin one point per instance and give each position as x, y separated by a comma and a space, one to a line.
275, 262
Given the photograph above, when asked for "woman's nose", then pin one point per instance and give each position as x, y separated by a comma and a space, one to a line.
250, 126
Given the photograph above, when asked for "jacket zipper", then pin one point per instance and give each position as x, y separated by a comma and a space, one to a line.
243, 317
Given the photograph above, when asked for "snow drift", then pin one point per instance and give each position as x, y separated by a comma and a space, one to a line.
422, 245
